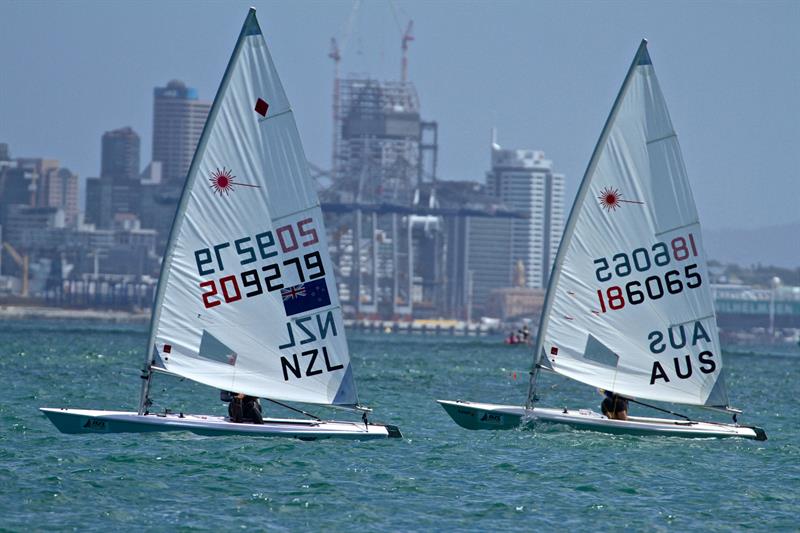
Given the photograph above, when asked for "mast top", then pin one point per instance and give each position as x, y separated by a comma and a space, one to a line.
251, 26
642, 55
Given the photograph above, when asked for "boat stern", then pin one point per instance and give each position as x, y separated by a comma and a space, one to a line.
760, 434
393, 431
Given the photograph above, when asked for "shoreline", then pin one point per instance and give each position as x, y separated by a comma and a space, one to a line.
15, 312
419, 327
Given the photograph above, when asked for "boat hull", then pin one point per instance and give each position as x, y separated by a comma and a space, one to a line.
95, 421
473, 415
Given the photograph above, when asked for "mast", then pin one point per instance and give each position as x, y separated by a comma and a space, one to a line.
250, 25
641, 58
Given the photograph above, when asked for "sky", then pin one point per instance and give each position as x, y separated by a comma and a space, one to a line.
545, 74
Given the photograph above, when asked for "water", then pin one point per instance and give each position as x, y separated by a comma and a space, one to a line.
440, 477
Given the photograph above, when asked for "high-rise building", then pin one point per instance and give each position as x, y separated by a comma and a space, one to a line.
58, 187
117, 191
178, 120
524, 181
108, 202
34, 169
120, 155
98, 202
17, 184
157, 210
37, 182
489, 262
517, 250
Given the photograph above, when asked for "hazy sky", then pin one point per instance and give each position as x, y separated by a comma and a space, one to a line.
544, 73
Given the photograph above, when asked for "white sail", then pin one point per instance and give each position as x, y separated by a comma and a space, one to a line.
629, 307
247, 301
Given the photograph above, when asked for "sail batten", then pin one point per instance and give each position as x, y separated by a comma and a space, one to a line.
629, 306
247, 300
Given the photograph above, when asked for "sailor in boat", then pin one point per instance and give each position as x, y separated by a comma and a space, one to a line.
525, 334
614, 406
242, 408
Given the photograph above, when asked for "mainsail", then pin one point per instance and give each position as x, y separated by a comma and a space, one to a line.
629, 306
247, 301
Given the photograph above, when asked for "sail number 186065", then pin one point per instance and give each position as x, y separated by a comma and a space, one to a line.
653, 287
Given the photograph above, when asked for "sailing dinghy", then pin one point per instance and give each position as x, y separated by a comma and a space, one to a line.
628, 307
246, 301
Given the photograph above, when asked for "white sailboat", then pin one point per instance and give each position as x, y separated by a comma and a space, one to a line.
628, 307
246, 301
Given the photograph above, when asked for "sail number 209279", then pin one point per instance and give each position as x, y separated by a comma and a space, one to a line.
653, 287
260, 278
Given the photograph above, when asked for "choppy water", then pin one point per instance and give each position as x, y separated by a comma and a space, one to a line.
440, 477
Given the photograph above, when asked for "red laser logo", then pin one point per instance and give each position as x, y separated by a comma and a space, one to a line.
222, 181
611, 199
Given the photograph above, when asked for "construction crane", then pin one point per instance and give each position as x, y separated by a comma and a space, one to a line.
337, 57
335, 54
407, 38
22, 261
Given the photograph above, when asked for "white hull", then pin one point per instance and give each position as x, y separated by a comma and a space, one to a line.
473, 415
95, 421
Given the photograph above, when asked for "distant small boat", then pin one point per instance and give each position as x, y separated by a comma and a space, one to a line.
246, 300
629, 307
520, 337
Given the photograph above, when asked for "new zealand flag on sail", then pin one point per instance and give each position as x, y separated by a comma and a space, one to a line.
305, 297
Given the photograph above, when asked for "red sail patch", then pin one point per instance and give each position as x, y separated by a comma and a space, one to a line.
261, 107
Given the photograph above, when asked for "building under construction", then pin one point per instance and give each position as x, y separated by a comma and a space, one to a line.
402, 242
378, 167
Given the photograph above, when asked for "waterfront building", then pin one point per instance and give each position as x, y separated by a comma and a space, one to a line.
34, 230
126, 250
743, 307
516, 303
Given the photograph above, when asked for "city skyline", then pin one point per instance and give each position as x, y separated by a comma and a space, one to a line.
729, 136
